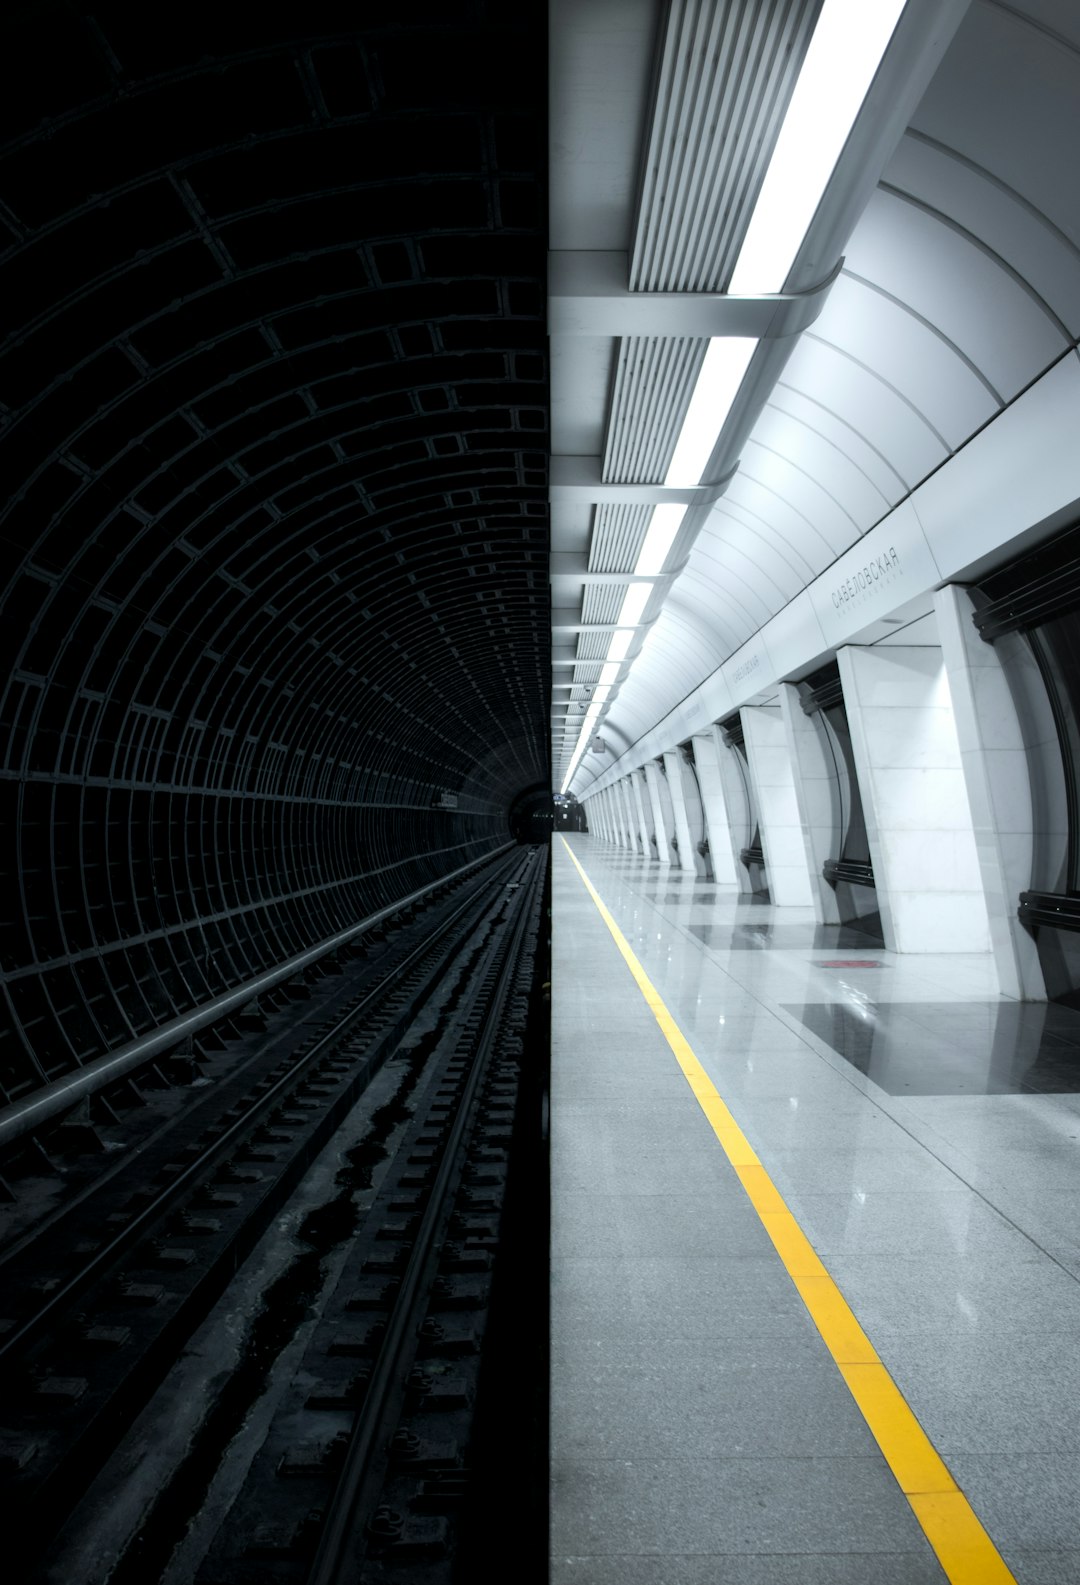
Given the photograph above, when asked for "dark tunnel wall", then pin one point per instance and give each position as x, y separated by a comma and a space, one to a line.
273, 453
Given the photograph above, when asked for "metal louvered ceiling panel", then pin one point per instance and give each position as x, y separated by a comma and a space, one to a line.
654, 381
602, 602
725, 75
618, 534
592, 646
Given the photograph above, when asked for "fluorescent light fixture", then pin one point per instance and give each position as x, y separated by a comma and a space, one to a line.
844, 53
620, 643
726, 361
609, 670
600, 693
635, 600
663, 526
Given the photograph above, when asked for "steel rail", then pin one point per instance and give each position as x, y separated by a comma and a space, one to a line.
98, 1264
330, 1559
22, 1117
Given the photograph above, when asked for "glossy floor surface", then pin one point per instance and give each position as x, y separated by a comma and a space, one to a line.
924, 1132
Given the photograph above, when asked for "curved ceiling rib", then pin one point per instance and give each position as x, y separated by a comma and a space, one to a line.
273, 441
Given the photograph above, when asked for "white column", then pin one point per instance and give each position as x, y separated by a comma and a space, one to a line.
695, 811
995, 765
652, 781
640, 799
918, 821
677, 773
609, 818
735, 776
633, 839
603, 826
816, 796
667, 808
617, 817
781, 829
707, 751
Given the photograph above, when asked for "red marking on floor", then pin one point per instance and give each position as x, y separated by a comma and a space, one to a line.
847, 963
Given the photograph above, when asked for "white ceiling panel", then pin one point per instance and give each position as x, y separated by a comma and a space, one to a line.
860, 398
601, 61
1041, 256
881, 477
729, 548
727, 599
930, 266
917, 362
804, 497
760, 486
843, 486
580, 377
1005, 97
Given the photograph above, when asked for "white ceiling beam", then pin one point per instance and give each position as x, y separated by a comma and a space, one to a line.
581, 479
589, 295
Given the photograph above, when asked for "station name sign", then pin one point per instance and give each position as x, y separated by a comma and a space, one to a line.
889, 567
882, 568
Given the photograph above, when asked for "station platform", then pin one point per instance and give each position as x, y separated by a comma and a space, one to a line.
815, 1250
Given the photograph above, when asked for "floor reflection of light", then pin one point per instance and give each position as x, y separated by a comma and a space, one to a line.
860, 1195
967, 1309
859, 1002
793, 1102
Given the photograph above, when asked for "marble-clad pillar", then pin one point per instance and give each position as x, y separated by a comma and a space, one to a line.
816, 796
778, 812
629, 824
707, 751
995, 765
640, 799
918, 820
685, 849
652, 780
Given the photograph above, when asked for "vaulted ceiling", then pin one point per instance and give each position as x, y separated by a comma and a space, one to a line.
956, 210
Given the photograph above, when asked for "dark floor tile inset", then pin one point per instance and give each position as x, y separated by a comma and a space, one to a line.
702, 893
953, 1048
848, 963
768, 936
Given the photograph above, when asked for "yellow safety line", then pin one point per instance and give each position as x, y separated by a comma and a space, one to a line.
964, 1550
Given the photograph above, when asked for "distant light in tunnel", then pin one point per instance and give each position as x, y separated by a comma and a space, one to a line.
845, 52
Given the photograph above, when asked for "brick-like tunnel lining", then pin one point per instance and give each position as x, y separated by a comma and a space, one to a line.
273, 461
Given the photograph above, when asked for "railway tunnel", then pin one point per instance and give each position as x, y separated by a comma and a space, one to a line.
276, 465
436, 446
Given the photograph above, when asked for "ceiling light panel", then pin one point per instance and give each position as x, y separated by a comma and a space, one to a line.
844, 54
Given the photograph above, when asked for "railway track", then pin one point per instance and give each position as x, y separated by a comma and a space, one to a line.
106, 1296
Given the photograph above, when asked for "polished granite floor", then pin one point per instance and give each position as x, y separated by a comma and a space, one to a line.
924, 1131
